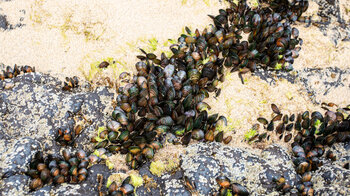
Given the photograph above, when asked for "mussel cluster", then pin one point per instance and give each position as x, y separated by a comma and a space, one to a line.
15, 71
167, 94
166, 97
313, 133
228, 188
292, 9
70, 83
272, 42
66, 136
157, 101
71, 168
125, 189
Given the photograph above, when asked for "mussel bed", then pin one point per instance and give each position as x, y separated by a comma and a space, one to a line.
167, 95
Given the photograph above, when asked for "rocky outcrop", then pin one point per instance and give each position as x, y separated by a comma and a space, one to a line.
34, 106
203, 162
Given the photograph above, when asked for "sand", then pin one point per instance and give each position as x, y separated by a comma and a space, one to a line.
64, 37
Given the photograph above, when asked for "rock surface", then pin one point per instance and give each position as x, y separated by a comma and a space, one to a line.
18, 157
35, 107
204, 162
14, 185
332, 178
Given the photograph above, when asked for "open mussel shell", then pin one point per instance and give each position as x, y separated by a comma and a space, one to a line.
102, 144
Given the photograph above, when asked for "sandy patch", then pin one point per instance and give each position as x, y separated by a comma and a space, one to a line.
65, 37
345, 10
318, 51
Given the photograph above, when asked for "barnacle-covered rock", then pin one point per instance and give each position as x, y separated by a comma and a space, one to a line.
238, 166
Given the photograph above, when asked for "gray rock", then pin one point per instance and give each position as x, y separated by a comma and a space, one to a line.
3, 22
14, 185
332, 178
45, 191
149, 190
167, 184
16, 160
94, 172
143, 191
204, 162
74, 189
173, 184
36, 107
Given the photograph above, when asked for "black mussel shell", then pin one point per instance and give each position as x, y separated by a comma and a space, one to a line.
275, 109
239, 189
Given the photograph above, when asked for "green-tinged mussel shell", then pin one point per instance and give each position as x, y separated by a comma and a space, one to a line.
134, 150
112, 136
263, 121
219, 136
193, 75
148, 153
179, 130
202, 106
209, 136
198, 134
162, 128
124, 135
122, 119
102, 144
